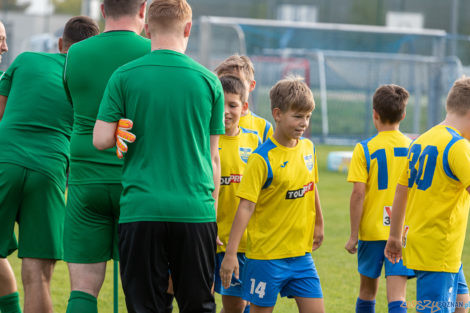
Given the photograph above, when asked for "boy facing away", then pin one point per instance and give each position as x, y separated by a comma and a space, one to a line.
36, 125
375, 167
234, 148
242, 67
279, 203
431, 204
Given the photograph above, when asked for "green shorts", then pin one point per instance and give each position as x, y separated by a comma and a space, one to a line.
37, 203
91, 220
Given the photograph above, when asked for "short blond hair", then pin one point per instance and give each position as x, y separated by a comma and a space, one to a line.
458, 99
237, 65
169, 15
292, 93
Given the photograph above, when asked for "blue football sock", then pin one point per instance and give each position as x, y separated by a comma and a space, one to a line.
364, 306
397, 307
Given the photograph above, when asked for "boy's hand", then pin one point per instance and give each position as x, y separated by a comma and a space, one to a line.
317, 237
218, 241
123, 135
227, 268
351, 245
393, 250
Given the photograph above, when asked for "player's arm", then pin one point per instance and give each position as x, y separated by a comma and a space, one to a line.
393, 247
104, 135
318, 232
230, 261
3, 105
215, 158
468, 189
356, 208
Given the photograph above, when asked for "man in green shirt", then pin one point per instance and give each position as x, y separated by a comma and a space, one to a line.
35, 129
171, 172
90, 234
9, 297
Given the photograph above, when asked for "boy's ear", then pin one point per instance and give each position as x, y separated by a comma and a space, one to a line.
375, 115
277, 114
403, 116
245, 107
252, 85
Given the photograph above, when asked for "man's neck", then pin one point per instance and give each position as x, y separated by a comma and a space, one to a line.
168, 43
123, 23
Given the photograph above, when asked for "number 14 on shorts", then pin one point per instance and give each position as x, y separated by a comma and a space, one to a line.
260, 289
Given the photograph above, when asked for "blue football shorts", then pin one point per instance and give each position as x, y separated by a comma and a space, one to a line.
235, 288
371, 258
290, 277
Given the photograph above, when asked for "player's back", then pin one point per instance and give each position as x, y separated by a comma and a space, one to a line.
256, 123
438, 203
89, 65
378, 162
37, 123
171, 99
234, 152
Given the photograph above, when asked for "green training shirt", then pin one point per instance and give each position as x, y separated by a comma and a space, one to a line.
89, 65
176, 104
37, 123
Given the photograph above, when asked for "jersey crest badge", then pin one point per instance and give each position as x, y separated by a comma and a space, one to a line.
308, 159
245, 154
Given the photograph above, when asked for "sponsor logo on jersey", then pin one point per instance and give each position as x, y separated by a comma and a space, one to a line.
245, 154
232, 179
405, 235
308, 159
299, 193
284, 164
387, 215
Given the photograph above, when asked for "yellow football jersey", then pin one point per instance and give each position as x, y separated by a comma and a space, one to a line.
378, 162
234, 152
262, 127
281, 181
437, 176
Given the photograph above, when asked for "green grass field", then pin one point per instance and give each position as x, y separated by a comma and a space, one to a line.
337, 268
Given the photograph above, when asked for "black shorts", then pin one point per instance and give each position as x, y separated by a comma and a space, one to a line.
149, 250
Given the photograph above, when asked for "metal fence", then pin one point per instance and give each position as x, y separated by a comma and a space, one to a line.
343, 81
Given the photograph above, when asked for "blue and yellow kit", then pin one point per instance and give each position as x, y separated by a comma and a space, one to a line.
253, 122
378, 162
437, 176
234, 153
281, 181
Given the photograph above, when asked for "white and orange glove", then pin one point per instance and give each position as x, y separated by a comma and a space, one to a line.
123, 135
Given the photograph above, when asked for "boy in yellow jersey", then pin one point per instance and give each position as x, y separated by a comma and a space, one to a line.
431, 205
242, 67
375, 168
279, 203
234, 148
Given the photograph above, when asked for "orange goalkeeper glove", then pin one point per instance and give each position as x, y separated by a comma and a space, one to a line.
123, 135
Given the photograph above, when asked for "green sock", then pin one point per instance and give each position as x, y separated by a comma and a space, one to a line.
10, 303
82, 302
